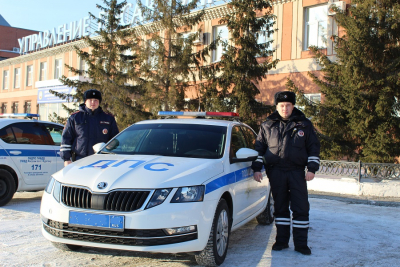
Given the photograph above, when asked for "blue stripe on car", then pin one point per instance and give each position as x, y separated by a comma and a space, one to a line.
230, 178
3, 152
32, 153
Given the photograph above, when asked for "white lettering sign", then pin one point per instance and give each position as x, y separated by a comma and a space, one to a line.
131, 13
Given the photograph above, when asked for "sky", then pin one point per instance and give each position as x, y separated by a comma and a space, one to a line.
42, 15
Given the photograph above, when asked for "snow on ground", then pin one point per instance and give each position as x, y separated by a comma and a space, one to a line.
341, 234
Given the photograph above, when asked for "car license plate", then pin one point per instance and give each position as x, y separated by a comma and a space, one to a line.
96, 220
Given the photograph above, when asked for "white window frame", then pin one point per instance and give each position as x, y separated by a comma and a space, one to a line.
15, 107
315, 27
4, 107
26, 107
29, 75
43, 71
315, 98
217, 53
6, 75
152, 60
17, 77
57, 68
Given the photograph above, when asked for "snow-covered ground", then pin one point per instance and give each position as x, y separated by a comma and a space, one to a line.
342, 234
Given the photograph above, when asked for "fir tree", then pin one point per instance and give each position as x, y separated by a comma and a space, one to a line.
359, 115
168, 62
234, 79
111, 66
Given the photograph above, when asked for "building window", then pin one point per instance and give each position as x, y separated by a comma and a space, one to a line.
3, 107
14, 108
58, 68
17, 74
262, 36
29, 75
5, 79
153, 57
315, 28
83, 67
223, 33
27, 107
43, 71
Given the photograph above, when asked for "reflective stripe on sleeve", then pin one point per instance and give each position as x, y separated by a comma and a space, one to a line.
65, 149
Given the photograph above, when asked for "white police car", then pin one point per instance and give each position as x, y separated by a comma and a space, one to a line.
168, 185
29, 154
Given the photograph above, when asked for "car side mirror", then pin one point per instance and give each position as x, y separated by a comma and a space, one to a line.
98, 146
244, 155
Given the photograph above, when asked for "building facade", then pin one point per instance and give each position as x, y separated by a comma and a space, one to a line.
25, 80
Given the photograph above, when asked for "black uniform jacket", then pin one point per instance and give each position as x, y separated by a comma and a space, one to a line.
84, 129
290, 145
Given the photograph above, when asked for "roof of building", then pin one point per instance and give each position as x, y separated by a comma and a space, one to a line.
3, 22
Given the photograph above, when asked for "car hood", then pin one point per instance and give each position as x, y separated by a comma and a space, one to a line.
138, 171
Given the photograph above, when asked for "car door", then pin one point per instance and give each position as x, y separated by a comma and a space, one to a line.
55, 132
259, 191
244, 199
32, 151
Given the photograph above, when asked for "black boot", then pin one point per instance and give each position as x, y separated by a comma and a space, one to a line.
279, 246
305, 250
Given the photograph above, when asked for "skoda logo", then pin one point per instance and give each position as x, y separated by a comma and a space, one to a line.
102, 185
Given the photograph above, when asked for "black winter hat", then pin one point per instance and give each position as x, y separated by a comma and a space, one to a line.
92, 93
285, 96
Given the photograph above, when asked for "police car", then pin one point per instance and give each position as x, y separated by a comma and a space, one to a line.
29, 153
168, 185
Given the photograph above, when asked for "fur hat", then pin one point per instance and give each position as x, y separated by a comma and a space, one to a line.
285, 96
92, 93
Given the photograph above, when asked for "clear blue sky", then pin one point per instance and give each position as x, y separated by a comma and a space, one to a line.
42, 15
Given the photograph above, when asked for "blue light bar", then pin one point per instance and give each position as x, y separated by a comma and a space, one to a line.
9, 115
198, 114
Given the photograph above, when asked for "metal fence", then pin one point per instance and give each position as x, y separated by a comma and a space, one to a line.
360, 170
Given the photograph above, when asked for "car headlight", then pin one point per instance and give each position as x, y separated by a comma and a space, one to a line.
158, 197
57, 190
189, 194
49, 186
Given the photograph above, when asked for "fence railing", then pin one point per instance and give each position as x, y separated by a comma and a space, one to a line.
360, 170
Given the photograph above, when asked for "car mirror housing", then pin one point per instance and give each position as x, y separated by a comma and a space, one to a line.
244, 155
97, 147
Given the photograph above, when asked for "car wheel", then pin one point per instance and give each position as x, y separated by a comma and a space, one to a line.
7, 187
267, 216
66, 247
215, 251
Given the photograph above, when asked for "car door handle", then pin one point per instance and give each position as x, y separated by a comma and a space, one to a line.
15, 152
58, 152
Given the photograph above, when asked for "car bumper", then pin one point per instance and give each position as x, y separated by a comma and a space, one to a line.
143, 229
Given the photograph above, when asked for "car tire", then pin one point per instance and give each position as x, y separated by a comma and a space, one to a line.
66, 247
267, 216
7, 187
217, 246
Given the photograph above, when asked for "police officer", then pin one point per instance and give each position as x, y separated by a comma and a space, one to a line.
87, 127
289, 148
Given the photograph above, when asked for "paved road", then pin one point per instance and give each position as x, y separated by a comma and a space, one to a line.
344, 232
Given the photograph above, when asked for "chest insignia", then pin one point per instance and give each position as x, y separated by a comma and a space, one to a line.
300, 133
105, 131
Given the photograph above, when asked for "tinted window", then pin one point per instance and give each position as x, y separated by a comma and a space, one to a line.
237, 141
250, 137
7, 135
55, 133
178, 140
31, 133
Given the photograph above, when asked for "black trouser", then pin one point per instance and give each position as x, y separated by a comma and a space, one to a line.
289, 187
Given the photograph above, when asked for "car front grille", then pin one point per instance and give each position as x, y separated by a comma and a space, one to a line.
128, 237
113, 201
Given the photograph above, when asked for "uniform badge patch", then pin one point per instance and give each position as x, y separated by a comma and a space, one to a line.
105, 131
300, 133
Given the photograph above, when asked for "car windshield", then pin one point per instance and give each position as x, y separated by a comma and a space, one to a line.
170, 139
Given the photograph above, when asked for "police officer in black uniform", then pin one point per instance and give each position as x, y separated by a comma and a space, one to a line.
289, 149
87, 127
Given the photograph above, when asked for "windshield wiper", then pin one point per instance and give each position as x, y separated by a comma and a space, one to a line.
105, 152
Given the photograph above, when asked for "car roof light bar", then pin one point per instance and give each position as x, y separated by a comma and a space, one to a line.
198, 114
14, 115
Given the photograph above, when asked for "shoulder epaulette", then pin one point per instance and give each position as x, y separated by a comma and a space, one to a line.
74, 113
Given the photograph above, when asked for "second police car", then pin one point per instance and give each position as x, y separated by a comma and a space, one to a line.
171, 185
29, 153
